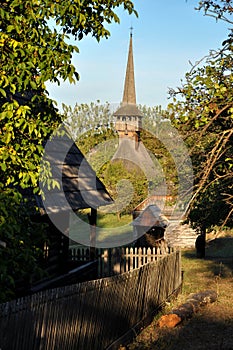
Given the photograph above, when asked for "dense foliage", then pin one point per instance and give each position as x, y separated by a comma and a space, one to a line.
126, 184
35, 48
156, 135
203, 112
34, 51
21, 243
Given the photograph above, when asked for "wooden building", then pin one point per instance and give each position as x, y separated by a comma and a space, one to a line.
149, 225
79, 188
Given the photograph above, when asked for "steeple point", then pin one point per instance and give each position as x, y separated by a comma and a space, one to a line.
129, 95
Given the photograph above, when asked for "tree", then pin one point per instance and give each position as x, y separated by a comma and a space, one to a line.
153, 117
20, 244
35, 48
94, 117
33, 52
126, 184
219, 9
155, 133
204, 115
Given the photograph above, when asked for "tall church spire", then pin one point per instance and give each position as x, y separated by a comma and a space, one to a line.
128, 117
129, 96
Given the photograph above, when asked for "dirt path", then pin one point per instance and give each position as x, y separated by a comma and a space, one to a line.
209, 329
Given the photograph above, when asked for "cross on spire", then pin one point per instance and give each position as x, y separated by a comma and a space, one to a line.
131, 31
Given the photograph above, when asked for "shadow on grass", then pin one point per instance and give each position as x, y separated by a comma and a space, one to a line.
200, 332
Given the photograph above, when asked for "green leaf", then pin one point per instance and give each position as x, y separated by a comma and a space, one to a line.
33, 84
3, 92
3, 166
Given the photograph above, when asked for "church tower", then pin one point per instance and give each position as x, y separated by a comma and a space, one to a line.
128, 117
128, 124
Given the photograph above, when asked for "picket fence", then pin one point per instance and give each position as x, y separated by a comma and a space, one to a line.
89, 315
112, 261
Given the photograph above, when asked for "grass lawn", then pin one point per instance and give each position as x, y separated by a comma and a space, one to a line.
110, 231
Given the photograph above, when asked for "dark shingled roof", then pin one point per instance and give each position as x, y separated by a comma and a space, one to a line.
151, 216
79, 186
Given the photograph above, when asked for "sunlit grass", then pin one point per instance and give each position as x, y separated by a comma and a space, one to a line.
111, 220
206, 273
109, 229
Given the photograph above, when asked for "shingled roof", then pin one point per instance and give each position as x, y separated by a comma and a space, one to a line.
151, 216
129, 110
79, 186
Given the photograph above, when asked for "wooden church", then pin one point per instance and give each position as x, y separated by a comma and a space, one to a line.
149, 223
128, 117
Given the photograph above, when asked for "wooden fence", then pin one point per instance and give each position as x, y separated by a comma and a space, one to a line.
112, 261
89, 315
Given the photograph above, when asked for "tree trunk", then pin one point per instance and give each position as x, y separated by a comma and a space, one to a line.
200, 244
193, 304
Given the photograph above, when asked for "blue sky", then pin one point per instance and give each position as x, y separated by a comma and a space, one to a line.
166, 36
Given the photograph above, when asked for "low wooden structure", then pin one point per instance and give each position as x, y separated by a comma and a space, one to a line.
149, 225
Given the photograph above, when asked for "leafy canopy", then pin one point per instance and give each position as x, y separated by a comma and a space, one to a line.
34, 51
202, 110
219, 9
203, 113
